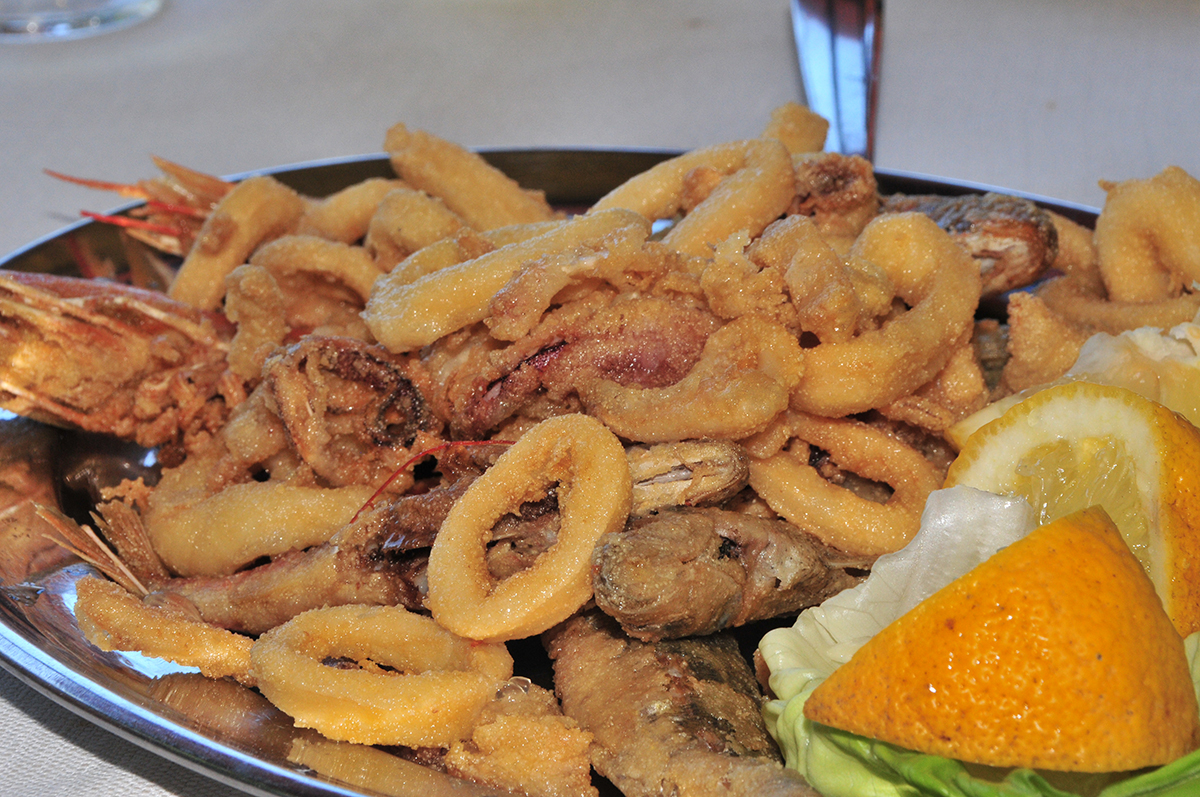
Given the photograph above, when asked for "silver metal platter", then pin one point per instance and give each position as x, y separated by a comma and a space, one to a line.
221, 730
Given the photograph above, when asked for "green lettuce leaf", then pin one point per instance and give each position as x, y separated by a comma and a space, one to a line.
883, 769
842, 764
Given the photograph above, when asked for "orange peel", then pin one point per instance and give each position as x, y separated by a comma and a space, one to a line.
1055, 653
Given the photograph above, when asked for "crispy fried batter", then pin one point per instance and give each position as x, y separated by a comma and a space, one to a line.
1079, 300
1041, 345
523, 742
627, 338
838, 192
958, 390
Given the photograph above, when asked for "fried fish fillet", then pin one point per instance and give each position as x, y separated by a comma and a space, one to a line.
688, 572
680, 717
1013, 240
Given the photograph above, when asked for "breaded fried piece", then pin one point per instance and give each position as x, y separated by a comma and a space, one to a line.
680, 717
1076, 247
686, 572
1079, 299
838, 192
958, 390
1041, 345
523, 743
991, 350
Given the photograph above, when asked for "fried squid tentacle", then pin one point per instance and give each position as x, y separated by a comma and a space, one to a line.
668, 717
697, 571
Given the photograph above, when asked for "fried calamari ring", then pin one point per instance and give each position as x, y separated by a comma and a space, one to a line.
432, 690
219, 533
1148, 236
1076, 247
759, 185
112, 618
742, 381
405, 222
957, 391
254, 302
796, 490
404, 316
941, 285
255, 210
1078, 301
594, 496
800, 129
466, 244
291, 254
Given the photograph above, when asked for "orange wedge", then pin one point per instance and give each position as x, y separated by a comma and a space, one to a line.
1053, 654
1080, 444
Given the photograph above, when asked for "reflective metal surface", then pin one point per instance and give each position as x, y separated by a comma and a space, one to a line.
838, 43
221, 729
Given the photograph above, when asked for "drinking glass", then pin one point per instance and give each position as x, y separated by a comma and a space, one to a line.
56, 20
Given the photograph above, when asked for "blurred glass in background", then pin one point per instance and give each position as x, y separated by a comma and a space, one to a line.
57, 20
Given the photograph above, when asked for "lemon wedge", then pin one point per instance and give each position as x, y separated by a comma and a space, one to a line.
1080, 444
1163, 366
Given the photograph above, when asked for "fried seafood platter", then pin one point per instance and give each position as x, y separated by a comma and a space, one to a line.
440, 474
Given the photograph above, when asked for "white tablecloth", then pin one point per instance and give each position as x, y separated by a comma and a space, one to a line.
1042, 97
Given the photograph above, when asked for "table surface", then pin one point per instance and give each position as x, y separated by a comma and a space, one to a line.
1042, 97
